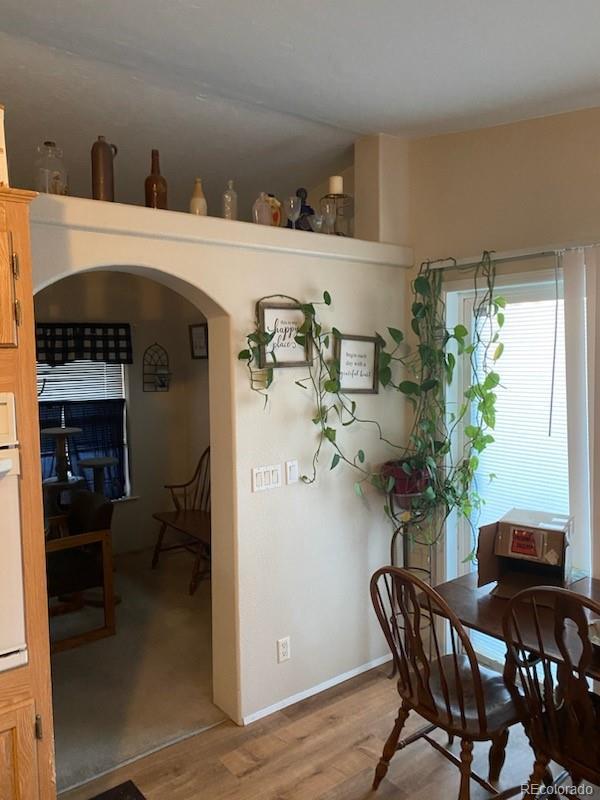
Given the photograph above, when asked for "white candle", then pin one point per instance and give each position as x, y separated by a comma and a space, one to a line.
336, 184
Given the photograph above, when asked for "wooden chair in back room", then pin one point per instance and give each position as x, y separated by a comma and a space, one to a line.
189, 521
448, 688
549, 660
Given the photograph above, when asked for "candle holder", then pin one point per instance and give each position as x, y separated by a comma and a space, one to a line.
343, 224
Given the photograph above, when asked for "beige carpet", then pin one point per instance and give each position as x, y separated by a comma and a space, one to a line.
149, 685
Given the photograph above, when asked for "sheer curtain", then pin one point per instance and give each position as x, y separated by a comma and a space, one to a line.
582, 341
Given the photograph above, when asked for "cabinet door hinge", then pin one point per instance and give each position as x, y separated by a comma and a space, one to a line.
39, 730
18, 312
14, 258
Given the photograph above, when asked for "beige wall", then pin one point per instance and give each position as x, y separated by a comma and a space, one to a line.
167, 430
295, 561
528, 184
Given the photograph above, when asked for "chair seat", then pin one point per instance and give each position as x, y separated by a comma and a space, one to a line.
499, 706
192, 523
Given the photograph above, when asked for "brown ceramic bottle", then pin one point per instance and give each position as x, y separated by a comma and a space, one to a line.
156, 185
103, 179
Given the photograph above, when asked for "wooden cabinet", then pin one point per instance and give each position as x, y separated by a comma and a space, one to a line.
18, 761
9, 270
26, 750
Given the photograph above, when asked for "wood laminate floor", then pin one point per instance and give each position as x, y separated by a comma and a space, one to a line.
324, 748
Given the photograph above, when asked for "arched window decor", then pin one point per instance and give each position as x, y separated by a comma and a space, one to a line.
157, 375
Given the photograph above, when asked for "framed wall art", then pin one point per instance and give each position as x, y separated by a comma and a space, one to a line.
358, 357
199, 340
284, 319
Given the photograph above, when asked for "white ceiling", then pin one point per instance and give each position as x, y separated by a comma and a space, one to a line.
273, 92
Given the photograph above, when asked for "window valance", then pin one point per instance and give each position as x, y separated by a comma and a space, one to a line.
61, 342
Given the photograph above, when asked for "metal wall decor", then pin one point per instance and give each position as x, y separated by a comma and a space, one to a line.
157, 375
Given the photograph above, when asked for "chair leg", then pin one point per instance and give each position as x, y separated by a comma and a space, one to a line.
390, 746
497, 755
157, 548
538, 776
466, 758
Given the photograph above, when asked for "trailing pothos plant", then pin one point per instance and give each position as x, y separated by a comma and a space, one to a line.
441, 451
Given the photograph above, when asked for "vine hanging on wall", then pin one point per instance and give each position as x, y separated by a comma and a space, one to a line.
430, 467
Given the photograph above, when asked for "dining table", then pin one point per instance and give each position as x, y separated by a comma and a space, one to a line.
479, 609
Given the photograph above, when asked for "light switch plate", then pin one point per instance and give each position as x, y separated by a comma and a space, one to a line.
292, 471
267, 477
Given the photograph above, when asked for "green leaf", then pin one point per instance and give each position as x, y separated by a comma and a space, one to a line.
384, 359
361, 456
500, 301
498, 351
335, 461
460, 331
391, 482
332, 385
329, 434
418, 310
414, 324
358, 490
409, 387
300, 339
326, 342
327, 298
450, 365
308, 309
500, 319
492, 380
429, 384
269, 378
396, 335
301, 385
421, 286
429, 493
385, 376
244, 355
336, 332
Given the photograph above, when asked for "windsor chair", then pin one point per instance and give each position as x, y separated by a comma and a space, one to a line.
445, 686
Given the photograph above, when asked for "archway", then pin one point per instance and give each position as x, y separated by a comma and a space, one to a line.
225, 644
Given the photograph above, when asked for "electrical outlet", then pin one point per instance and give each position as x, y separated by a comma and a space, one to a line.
283, 649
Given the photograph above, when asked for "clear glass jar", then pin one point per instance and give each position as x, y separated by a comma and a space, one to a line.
50, 172
261, 210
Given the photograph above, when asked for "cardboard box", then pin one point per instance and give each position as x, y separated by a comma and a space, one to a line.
525, 548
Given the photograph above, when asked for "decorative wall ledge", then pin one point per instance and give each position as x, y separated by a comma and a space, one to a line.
127, 220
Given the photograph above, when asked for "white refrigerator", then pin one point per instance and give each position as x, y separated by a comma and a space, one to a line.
13, 644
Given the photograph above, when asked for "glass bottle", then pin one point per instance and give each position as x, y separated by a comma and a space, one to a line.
230, 202
50, 172
261, 210
198, 203
155, 185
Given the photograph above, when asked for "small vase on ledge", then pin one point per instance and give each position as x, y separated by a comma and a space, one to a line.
198, 204
156, 185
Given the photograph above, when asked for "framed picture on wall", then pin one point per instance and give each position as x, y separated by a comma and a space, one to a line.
199, 340
358, 357
283, 319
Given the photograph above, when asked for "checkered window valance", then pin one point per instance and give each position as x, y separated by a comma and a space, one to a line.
61, 342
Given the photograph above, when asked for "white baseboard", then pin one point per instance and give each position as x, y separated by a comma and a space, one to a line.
321, 687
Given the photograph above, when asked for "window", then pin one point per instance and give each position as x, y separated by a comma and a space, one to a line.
89, 395
529, 457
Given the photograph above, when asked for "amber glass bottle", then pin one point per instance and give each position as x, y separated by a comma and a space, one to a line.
156, 185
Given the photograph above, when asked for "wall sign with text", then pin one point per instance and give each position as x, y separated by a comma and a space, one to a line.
358, 357
284, 319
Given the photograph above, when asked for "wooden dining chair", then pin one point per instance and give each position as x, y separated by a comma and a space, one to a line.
548, 660
190, 520
445, 686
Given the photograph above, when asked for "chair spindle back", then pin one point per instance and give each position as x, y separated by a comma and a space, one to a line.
441, 683
549, 655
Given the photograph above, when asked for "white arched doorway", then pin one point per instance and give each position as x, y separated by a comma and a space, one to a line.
225, 646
